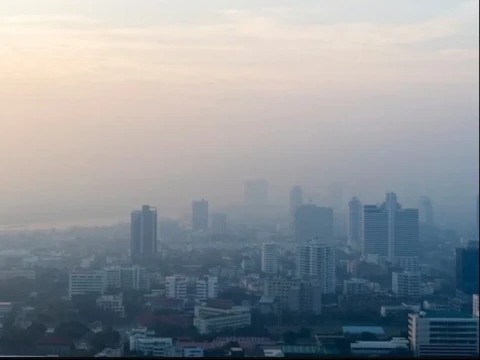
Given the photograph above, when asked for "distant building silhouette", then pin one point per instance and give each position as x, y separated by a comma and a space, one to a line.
426, 212
314, 222
143, 228
269, 258
256, 192
355, 223
219, 223
200, 215
391, 233
466, 270
296, 199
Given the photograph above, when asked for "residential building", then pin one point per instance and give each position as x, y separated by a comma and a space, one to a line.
82, 282
406, 284
127, 278
210, 319
143, 242
176, 287
314, 222
355, 286
296, 199
113, 303
355, 223
17, 273
391, 233
269, 259
317, 260
466, 271
443, 334
279, 288
207, 288
219, 224
475, 311
256, 192
306, 297
200, 215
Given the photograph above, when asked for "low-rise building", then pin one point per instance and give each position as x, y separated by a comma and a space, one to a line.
113, 303
157, 347
398, 310
83, 282
17, 273
443, 334
356, 286
406, 284
212, 319
379, 348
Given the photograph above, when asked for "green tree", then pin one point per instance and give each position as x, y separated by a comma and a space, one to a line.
290, 337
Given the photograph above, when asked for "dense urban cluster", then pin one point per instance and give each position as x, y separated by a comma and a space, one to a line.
328, 279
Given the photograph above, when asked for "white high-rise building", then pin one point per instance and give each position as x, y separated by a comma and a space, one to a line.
82, 282
317, 260
391, 233
355, 223
269, 259
176, 287
207, 288
443, 334
126, 278
406, 284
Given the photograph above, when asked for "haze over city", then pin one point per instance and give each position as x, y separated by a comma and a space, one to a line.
106, 105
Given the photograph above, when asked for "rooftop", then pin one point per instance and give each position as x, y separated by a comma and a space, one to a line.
445, 315
377, 330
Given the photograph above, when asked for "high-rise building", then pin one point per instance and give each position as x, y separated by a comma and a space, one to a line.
84, 282
176, 287
269, 258
314, 222
200, 215
406, 284
256, 192
219, 223
466, 270
355, 223
317, 261
207, 288
296, 199
143, 229
475, 307
426, 213
391, 233
127, 278
443, 334
302, 295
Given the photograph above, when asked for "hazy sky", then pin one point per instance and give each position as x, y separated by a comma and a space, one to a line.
108, 104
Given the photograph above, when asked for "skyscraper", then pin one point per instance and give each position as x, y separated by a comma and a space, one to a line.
143, 232
466, 270
200, 215
317, 261
426, 212
313, 222
355, 216
269, 258
256, 192
391, 233
296, 199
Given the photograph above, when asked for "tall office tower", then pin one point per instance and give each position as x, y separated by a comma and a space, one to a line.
443, 334
406, 284
270, 259
143, 229
256, 192
317, 261
391, 233
207, 288
200, 215
426, 211
176, 287
296, 199
355, 223
219, 223
466, 271
313, 222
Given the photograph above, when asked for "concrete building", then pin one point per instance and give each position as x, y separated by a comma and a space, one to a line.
143, 227
296, 200
314, 222
200, 215
176, 287
127, 278
443, 334
83, 282
391, 233
219, 224
355, 223
466, 270
152, 346
306, 297
475, 311
406, 284
113, 303
210, 319
269, 259
355, 286
316, 260
17, 273
380, 348
207, 288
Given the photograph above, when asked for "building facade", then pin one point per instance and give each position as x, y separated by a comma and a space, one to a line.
207, 288
86, 282
355, 223
317, 261
143, 229
176, 287
406, 284
269, 259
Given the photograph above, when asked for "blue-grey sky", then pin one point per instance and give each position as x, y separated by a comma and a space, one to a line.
159, 101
